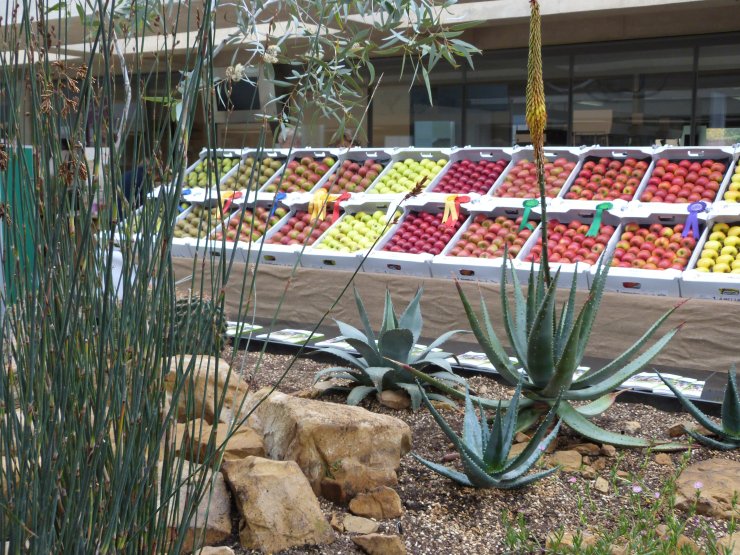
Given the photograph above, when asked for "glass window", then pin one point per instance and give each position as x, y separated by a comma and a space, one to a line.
633, 97
495, 101
718, 96
439, 124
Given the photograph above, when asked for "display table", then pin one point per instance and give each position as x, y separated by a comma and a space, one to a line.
708, 339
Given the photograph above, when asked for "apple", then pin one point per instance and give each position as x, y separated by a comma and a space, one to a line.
425, 233
354, 232
301, 229
360, 174
504, 231
720, 251
404, 175
609, 179
198, 223
684, 182
590, 247
207, 173
521, 180
656, 247
468, 176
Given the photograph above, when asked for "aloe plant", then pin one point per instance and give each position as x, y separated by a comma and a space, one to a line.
378, 368
485, 452
729, 431
550, 347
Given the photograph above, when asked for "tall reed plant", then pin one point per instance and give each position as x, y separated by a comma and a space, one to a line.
89, 315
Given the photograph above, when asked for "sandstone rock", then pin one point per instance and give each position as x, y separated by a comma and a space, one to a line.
570, 461
590, 449
568, 540
631, 427
223, 550
206, 371
663, 459
336, 523
243, 443
681, 542
379, 544
601, 485
608, 450
359, 525
598, 464
341, 449
317, 389
516, 449
731, 544
278, 509
380, 503
521, 437
398, 400
215, 504
588, 473
679, 430
622, 474
449, 457
719, 481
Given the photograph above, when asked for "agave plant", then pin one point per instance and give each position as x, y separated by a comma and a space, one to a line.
378, 368
729, 432
484, 451
550, 347
199, 326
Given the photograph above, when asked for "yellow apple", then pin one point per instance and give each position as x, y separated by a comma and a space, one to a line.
717, 236
721, 269
704, 263
703, 270
709, 253
724, 259
735, 185
735, 271
732, 251
735, 265
721, 226
732, 241
734, 231
713, 245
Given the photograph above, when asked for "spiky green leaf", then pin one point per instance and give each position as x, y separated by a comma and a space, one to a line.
390, 322
437, 343
692, 409
563, 376
731, 406
567, 316
342, 373
488, 340
727, 445
472, 434
593, 377
367, 327
411, 318
588, 429
599, 406
453, 475
358, 393
517, 336
540, 354
396, 344
414, 393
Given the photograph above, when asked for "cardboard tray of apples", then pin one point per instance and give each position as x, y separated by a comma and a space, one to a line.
418, 237
476, 251
649, 254
347, 241
682, 175
244, 231
606, 175
714, 268
286, 242
198, 179
407, 168
572, 251
193, 227
728, 198
356, 170
520, 179
471, 171
255, 169
305, 171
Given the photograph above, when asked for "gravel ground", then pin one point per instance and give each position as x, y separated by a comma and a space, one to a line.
443, 518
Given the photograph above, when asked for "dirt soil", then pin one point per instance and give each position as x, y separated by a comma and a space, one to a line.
443, 518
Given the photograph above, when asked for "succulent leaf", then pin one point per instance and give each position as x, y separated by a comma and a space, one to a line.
390, 322
414, 395
472, 434
367, 327
369, 353
567, 316
453, 475
440, 341
692, 409
593, 377
337, 372
351, 332
377, 375
566, 366
727, 445
540, 349
588, 429
517, 336
396, 344
532, 452
345, 356
599, 406
731, 406
488, 340
411, 317
358, 393
610, 383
